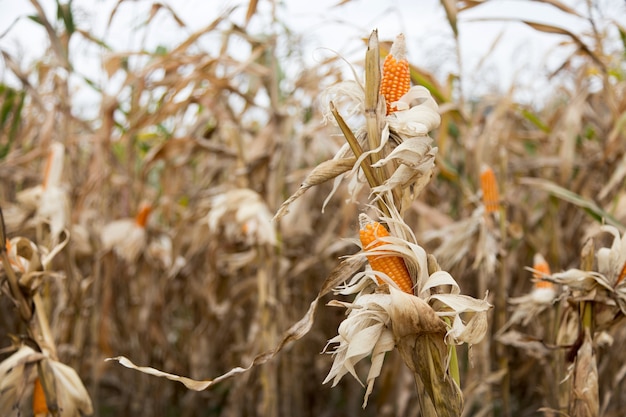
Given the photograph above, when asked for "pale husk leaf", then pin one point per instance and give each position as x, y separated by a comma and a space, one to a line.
425, 354
418, 113
13, 379
585, 392
17, 378
419, 335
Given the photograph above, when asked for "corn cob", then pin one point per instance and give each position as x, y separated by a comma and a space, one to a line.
491, 196
396, 75
393, 266
541, 267
142, 216
39, 400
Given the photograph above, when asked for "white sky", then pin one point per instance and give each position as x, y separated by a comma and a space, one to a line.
521, 54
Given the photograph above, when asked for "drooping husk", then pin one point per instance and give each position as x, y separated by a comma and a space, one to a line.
584, 400
419, 335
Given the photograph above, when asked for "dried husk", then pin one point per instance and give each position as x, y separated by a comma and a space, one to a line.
585, 397
66, 391
420, 335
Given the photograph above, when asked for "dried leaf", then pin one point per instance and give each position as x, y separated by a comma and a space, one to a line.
344, 270
560, 31
323, 172
617, 176
65, 390
530, 345
585, 401
450, 6
426, 356
561, 6
252, 5
411, 315
589, 206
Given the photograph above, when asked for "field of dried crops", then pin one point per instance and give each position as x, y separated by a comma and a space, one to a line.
206, 223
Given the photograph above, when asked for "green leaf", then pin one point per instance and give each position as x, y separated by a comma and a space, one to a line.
64, 13
564, 194
622, 35
160, 50
532, 118
7, 105
10, 112
35, 18
17, 116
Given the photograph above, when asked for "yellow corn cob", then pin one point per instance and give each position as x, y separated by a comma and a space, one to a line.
396, 75
540, 265
142, 216
39, 400
491, 196
393, 266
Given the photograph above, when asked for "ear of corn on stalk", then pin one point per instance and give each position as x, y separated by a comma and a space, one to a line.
396, 74
489, 185
541, 267
392, 266
40, 407
142, 216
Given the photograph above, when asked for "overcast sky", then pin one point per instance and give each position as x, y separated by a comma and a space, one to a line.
520, 55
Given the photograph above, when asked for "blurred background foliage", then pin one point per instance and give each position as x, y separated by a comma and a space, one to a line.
213, 140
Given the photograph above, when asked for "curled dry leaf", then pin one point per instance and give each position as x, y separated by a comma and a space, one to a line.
325, 171
340, 274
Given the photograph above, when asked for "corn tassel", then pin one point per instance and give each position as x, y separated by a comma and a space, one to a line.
489, 185
396, 75
393, 266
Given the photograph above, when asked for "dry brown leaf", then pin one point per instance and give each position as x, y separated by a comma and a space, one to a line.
323, 172
158, 6
585, 401
450, 6
530, 345
561, 6
560, 31
469, 4
426, 354
342, 272
112, 64
252, 5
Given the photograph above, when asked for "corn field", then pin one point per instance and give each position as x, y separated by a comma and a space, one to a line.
231, 229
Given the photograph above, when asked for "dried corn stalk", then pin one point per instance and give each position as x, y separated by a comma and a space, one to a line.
391, 152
